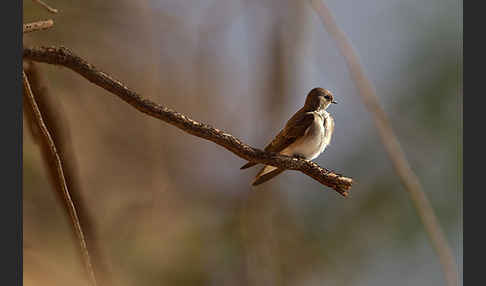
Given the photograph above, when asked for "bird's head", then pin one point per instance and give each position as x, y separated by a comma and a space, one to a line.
319, 99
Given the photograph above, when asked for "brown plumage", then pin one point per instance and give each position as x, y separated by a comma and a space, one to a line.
298, 130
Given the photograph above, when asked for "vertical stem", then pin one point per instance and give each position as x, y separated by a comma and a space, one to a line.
61, 179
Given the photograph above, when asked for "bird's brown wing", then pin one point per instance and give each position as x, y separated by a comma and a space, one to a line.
295, 128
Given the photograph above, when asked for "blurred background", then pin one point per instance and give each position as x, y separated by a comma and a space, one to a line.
173, 209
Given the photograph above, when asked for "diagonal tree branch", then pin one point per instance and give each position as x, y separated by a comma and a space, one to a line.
64, 57
392, 145
61, 179
37, 26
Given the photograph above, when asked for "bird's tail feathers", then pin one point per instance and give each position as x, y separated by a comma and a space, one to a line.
248, 165
265, 174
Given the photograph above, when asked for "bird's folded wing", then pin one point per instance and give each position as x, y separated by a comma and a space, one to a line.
294, 129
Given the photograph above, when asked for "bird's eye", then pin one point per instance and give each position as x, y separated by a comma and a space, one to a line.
327, 97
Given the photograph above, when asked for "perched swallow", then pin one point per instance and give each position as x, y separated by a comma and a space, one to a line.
305, 135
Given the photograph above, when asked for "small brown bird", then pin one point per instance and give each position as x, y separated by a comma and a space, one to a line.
306, 134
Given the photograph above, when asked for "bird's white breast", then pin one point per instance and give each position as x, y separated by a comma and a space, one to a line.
316, 138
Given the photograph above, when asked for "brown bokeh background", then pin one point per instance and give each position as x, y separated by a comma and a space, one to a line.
173, 209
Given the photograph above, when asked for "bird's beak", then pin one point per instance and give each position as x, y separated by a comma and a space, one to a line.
334, 102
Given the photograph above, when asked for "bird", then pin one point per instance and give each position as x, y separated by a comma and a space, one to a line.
305, 135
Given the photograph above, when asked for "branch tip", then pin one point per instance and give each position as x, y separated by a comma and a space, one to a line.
37, 26
49, 8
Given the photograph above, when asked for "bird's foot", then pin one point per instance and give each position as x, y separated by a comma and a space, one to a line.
299, 156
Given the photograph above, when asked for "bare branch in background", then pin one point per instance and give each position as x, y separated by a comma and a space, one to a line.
49, 8
57, 165
56, 121
392, 145
64, 57
37, 26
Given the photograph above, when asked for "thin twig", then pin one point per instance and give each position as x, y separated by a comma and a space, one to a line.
49, 8
37, 26
56, 121
62, 179
64, 57
392, 145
